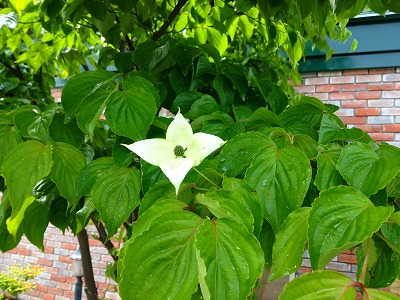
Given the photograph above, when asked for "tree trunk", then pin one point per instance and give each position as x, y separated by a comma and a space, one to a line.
90, 289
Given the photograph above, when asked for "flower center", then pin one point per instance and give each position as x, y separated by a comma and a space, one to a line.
179, 151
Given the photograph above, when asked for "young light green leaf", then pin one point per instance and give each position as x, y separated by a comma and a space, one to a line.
336, 223
230, 260
237, 153
161, 263
115, 195
320, 285
228, 205
9, 139
7, 240
67, 164
281, 178
23, 168
375, 294
290, 243
13, 223
367, 170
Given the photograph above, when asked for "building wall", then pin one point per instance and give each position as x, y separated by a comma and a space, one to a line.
368, 99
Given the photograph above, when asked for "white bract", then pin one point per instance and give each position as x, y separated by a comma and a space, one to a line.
179, 151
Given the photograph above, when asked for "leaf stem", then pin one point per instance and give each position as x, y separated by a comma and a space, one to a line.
365, 264
206, 178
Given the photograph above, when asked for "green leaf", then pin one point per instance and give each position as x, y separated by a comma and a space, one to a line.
97, 8
131, 112
217, 39
228, 205
204, 106
333, 129
67, 164
66, 133
9, 139
306, 144
272, 93
327, 174
367, 170
374, 294
238, 152
35, 223
151, 175
236, 74
337, 223
34, 124
161, 190
281, 178
83, 215
13, 223
290, 242
224, 90
115, 195
148, 54
82, 85
263, 116
184, 56
392, 233
230, 260
185, 100
320, 285
346, 9
23, 168
159, 261
123, 62
251, 198
88, 175
7, 240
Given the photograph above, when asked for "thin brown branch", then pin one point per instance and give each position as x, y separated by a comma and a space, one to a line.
16, 71
174, 13
103, 238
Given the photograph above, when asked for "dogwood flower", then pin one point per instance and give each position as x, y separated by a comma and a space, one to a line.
179, 151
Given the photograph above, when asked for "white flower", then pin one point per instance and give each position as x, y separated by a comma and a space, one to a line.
179, 151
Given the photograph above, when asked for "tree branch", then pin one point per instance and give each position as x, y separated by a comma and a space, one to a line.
103, 237
17, 72
169, 20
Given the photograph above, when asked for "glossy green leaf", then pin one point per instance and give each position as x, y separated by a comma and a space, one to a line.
250, 196
13, 223
161, 190
159, 260
148, 54
391, 232
9, 139
83, 215
217, 39
290, 242
204, 106
333, 129
185, 100
67, 164
151, 175
115, 195
320, 285
228, 205
306, 144
374, 294
23, 168
238, 152
89, 174
7, 240
327, 174
367, 170
35, 223
230, 260
80, 86
264, 117
236, 74
281, 178
131, 112
345, 210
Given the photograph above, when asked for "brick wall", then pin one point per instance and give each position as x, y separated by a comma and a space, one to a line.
369, 99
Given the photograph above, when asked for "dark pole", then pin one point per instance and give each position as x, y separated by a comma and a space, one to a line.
78, 288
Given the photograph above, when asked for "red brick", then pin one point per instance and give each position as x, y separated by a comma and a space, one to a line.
382, 86
341, 79
370, 128
46, 296
24, 252
382, 71
305, 89
368, 95
369, 78
316, 81
391, 128
353, 103
328, 88
382, 136
64, 258
367, 112
341, 96
51, 270
69, 294
58, 278
64, 286
355, 72
55, 291
354, 87
68, 246
45, 262
347, 258
354, 120
397, 85
42, 288
320, 96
